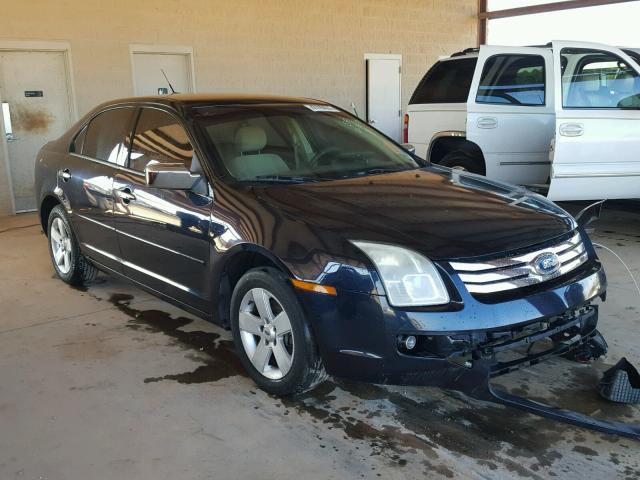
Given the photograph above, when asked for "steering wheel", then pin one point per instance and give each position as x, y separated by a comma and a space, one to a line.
322, 154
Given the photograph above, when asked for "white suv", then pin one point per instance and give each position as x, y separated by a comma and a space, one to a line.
565, 114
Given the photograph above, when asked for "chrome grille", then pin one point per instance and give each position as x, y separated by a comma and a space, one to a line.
519, 271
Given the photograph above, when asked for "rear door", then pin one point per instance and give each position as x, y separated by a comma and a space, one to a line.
510, 112
597, 133
163, 234
86, 177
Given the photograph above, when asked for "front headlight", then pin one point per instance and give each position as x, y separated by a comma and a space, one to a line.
409, 279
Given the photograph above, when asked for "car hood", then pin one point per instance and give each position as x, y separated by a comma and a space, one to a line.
439, 212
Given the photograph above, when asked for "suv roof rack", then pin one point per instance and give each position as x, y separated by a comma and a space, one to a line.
465, 52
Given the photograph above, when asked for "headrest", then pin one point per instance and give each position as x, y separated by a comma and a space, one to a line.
250, 139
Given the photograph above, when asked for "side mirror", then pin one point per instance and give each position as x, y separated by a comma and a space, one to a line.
409, 148
589, 214
173, 176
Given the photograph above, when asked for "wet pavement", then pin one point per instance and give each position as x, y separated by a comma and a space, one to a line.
109, 382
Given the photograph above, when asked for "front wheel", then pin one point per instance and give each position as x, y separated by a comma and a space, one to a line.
272, 336
69, 263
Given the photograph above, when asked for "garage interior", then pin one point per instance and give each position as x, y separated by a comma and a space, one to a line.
109, 382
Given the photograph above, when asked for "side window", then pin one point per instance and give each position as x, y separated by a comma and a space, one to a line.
78, 141
108, 136
159, 137
448, 81
597, 79
512, 80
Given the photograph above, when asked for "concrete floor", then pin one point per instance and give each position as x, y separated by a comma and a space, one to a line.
109, 382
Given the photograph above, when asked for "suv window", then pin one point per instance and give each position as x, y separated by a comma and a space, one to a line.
597, 79
448, 81
159, 136
108, 135
512, 80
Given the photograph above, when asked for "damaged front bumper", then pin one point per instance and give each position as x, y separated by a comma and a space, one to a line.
462, 347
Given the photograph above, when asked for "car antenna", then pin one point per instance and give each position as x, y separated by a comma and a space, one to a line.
355, 110
167, 79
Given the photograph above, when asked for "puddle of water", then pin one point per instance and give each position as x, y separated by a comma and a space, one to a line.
217, 355
403, 426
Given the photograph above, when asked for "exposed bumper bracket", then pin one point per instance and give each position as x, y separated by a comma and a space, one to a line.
476, 384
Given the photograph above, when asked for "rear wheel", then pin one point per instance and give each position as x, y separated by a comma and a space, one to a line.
272, 336
461, 161
69, 264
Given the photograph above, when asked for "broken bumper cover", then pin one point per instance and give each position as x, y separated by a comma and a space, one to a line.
359, 335
358, 338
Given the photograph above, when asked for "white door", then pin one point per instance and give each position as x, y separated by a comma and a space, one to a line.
510, 112
148, 76
384, 108
36, 109
597, 141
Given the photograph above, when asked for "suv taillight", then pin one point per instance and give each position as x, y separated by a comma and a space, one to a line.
405, 128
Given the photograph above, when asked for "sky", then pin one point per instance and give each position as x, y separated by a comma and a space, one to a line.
617, 24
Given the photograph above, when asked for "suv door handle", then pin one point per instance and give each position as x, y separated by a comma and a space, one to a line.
65, 175
571, 129
487, 122
125, 195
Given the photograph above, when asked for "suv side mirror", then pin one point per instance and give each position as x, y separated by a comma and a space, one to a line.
174, 176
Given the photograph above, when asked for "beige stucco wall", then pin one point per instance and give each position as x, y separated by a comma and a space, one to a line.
312, 48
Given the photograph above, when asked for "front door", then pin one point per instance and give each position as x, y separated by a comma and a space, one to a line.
164, 234
36, 109
384, 109
510, 112
597, 142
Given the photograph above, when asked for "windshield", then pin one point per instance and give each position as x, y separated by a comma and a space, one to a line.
297, 143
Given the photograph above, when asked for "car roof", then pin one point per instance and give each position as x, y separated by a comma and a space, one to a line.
178, 100
473, 52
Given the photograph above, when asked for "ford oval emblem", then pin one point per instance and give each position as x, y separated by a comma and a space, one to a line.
546, 263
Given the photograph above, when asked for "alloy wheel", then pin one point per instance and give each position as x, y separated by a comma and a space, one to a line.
266, 333
60, 245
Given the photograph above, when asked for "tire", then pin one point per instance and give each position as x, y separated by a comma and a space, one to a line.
70, 265
461, 161
262, 347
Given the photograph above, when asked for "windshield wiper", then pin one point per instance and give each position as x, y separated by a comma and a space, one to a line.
377, 171
285, 179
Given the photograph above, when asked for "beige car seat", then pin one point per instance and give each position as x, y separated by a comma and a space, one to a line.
251, 162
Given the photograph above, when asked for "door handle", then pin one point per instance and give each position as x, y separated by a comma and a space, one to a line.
65, 175
487, 122
125, 195
571, 129
8, 128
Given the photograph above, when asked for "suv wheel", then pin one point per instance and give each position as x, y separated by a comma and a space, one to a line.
69, 264
461, 161
272, 336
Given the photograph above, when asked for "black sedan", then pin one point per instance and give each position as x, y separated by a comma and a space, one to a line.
323, 245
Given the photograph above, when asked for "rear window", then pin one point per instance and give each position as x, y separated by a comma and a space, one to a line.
512, 80
448, 81
108, 136
76, 145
